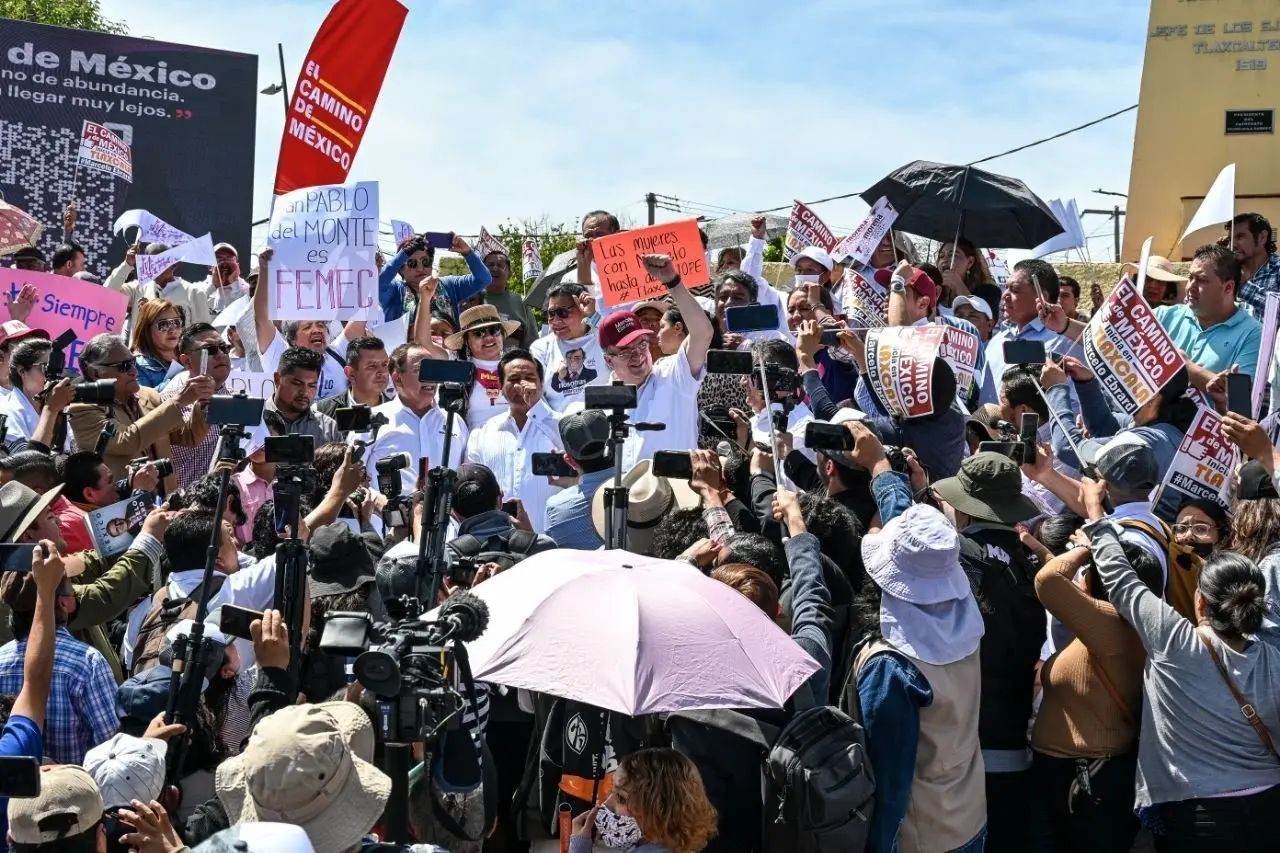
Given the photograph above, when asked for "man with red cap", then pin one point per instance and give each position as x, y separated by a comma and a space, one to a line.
666, 392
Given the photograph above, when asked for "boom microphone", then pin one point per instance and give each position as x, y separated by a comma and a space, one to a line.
464, 616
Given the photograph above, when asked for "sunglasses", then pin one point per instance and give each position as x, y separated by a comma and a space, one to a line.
212, 349
171, 325
486, 332
560, 313
126, 366
414, 264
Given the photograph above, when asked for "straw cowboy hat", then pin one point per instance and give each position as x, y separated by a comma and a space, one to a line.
479, 317
649, 500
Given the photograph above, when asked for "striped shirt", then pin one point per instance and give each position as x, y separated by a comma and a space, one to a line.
82, 696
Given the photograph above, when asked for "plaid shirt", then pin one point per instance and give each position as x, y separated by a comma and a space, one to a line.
191, 463
82, 697
1253, 295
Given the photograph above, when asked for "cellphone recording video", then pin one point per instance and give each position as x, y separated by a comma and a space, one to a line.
1240, 394
673, 464
234, 409
17, 557
290, 449
751, 318
353, 418
511, 507
1028, 436
1024, 352
612, 396
438, 239
440, 371
550, 465
824, 436
831, 337
729, 362
235, 621
19, 777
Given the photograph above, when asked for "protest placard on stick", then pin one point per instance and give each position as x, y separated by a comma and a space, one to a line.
102, 150
900, 363
960, 350
623, 278
858, 247
865, 302
324, 239
805, 228
1128, 350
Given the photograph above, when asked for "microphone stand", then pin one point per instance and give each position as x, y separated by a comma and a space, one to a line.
189, 650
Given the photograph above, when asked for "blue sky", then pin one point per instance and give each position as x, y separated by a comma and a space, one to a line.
501, 110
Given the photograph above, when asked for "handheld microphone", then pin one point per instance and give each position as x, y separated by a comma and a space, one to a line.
464, 616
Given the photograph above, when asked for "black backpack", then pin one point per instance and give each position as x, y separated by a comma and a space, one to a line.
505, 549
816, 781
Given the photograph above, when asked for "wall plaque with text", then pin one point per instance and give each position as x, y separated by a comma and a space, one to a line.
1251, 121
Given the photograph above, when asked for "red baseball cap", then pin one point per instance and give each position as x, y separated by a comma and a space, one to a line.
621, 329
919, 281
16, 330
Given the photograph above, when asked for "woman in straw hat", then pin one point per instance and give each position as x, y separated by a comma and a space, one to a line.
481, 339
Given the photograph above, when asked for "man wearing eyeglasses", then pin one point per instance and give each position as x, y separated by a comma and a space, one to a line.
188, 296
145, 425
666, 392
199, 343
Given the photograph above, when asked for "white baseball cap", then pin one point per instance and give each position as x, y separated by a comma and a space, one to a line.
127, 768
259, 837
814, 253
977, 303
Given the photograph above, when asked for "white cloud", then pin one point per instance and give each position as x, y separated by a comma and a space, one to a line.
492, 111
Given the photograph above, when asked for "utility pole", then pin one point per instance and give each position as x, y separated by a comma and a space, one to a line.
1115, 213
284, 81
651, 200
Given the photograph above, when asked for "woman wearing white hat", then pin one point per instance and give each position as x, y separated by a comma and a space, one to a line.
919, 681
481, 340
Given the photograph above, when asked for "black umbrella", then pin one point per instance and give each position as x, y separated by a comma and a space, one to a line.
938, 201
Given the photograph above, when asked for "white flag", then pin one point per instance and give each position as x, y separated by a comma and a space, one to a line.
151, 228
1072, 236
1219, 205
400, 231
197, 251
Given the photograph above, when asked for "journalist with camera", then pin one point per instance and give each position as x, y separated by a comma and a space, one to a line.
144, 425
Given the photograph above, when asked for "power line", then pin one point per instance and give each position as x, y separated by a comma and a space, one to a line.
1075, 129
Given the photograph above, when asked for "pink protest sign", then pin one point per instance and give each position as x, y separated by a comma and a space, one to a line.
64, 303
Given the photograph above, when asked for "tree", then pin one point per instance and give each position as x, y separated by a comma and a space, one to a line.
553, 239
77, 14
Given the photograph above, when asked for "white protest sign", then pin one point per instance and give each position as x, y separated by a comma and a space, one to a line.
197, 251
400, 231
488, 244
859, 246
257, 385
234, 312
151, 228
531, 260
999, 269
864, 301
324, 239
1266, 351
1205, 460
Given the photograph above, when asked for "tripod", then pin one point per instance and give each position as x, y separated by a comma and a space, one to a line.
291, 594
190, 651
438, 501
616, 496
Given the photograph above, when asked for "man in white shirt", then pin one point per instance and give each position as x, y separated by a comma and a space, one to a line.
506, 444
188, 296
415, 423
224, 284
781, 364
667, 392
186, 542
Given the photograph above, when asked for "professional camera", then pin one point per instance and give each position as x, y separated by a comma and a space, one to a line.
1019, 445
388, 469
97, 391
897, 459
164, 466
410, 665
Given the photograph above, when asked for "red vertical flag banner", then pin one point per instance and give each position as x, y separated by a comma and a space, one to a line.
336, 91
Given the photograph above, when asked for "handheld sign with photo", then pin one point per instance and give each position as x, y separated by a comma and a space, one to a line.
87, 309
324, 240
900, 362
103, 151
151, 228
805, 228
623, 278
1204, 463
859, 246
1128, 350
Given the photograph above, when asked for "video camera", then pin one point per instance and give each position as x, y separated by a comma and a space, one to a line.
836, 438
388, 469
95, 391
416, 669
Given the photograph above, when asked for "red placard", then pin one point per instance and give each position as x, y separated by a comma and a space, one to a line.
623, 278
334, 98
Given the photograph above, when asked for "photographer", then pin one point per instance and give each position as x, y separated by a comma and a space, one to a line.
198, 343
781, 368
665, 391
477, 506
145, 426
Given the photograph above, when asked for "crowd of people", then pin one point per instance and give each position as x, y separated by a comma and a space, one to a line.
1042, 648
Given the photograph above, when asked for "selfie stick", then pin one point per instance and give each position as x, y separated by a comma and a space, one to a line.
186, 682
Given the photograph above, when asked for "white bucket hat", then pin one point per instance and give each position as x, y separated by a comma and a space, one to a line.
916, 557
309, 765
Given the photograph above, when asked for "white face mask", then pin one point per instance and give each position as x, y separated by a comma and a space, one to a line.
802, 280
